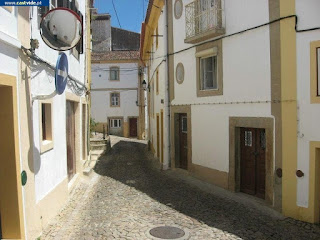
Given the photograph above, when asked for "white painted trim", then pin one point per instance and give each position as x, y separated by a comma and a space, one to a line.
9, 40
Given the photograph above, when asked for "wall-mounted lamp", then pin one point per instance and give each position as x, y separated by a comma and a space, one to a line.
144, 84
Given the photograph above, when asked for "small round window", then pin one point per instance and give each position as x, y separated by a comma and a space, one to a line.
178, 8
180, 73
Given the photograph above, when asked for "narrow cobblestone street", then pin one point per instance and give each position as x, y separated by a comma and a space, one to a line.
128, 195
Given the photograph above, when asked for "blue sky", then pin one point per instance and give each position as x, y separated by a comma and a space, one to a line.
130, 12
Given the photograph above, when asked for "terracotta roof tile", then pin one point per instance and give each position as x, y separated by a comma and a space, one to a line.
115, 55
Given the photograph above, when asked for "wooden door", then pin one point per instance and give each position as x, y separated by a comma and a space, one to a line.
133, 122
183, 139
252, 163
70, 125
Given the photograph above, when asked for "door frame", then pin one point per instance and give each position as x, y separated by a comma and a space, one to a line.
129, 117
174, 123
77, 129
235, 123
16, 215
108, 124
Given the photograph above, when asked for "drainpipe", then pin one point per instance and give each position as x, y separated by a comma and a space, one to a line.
166, 158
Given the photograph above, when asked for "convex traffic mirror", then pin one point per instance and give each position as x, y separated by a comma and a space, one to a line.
61, 29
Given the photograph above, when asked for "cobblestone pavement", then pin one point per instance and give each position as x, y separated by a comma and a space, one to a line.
128, 196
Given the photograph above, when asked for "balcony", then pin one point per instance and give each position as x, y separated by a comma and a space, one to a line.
204, 20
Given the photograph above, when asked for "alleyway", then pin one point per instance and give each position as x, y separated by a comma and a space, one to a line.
128, 195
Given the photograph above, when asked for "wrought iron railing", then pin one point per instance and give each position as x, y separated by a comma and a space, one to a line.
203, 16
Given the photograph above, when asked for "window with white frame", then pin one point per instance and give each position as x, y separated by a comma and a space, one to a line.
208, 73
115, 123
115, 99
114, 73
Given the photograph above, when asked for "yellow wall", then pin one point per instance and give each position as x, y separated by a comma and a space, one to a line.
10, 187
288, 108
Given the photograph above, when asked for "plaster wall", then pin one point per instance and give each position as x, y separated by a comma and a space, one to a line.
8, 53
157, 64
51, 166
101, 75
102, 87
308, 126
101, 109
246, 78
8, 18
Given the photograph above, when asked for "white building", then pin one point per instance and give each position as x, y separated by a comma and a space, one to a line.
116, 90
239, 78
44, 141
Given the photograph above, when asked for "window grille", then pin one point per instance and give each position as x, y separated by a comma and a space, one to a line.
203, 16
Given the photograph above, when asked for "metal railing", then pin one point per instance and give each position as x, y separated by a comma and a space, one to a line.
203, 16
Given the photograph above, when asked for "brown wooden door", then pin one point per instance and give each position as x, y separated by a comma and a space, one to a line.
133, 127
252, 166
183, 136
70, 125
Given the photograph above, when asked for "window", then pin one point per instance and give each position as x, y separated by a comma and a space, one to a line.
208, 71
46, 126
184, 125
115, 123
203, 20
248, 138
115, 99
157, 82
315, 72
114, 74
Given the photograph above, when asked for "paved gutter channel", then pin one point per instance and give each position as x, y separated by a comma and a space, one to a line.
128, 195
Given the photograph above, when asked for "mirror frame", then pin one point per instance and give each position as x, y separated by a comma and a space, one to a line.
69, 10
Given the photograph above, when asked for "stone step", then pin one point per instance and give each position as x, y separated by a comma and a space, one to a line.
99, 141
98, 146
97, 152
87, 171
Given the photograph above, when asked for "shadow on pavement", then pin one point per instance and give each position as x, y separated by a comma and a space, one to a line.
131, 164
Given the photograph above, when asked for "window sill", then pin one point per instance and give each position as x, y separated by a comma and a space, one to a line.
205, 36
46, 146
114, 106
209, 93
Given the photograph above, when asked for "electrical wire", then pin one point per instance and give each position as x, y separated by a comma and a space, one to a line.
76, 86
240, 32
115, 10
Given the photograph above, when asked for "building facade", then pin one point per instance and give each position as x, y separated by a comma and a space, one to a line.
117, 93
46, 145
242, 88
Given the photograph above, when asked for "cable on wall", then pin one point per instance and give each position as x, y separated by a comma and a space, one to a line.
75, 86
243, 31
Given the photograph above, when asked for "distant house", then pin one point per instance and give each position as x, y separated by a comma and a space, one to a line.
117, 95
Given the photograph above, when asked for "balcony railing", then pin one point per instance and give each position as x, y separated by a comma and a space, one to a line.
204, 17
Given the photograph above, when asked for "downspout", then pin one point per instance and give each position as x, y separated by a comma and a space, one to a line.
166, 159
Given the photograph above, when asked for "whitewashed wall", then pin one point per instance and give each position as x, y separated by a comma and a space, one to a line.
157, 64
51, 166
308, 114
100, 96
246, 77
9, 43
